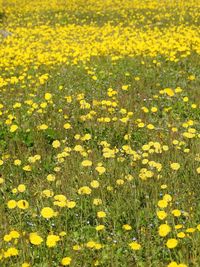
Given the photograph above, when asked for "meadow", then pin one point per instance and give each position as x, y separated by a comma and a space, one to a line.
100, 133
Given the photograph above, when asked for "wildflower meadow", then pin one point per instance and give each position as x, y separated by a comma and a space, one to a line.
100, 133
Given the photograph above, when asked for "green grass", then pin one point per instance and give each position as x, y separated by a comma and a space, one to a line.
125, 201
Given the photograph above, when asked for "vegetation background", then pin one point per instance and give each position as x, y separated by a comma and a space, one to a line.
99, 133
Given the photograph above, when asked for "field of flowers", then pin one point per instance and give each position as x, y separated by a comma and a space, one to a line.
100, 133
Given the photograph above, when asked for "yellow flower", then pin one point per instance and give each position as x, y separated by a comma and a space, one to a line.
77, 136
47, 212
167, 198
42, 127
172, 243
48, 96
94, 184
14, 234
25, 264
129, 177
174, 129
21, 188
23, 204
101, 214
51, 177
150, 126
176, 213
47, 193
27, 168
172, 264
31, 160
119, 181
194, 106
66, 261
59, 203
97, 246
96, 263
109, 188
100, 227
165, 148
169, 92
52, 240
154, 109
94, 77
60, 197
17, 162
161, 214
86, 137
164, 230
178, 90
125, 87
175, 166
190, 230
43, 105
84, 190
14, 190
67, 126
13, 128
69, 99
100, 169
141, 125
188, 135
56, 144
76, 247
178, 226
12, 204
35, 239
191, 77
181, 235
198, 170
7, 238
90, 244
86, 163
71, 204
162, 203
135, 246
12, 251
97, 201
127, 227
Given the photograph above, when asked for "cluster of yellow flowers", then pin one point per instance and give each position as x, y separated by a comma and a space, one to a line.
45, 45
